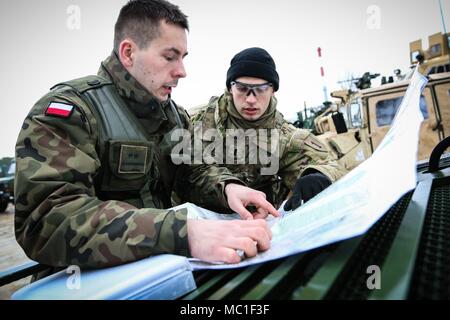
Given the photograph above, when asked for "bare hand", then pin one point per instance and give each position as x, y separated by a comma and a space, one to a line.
240, 196
218, 240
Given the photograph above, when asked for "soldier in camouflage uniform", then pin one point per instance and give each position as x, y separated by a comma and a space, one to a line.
249, 103
94, 175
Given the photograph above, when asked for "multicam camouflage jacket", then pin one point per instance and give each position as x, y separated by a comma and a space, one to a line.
83, 198
299, 152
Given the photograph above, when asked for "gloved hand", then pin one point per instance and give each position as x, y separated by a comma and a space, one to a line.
306, 188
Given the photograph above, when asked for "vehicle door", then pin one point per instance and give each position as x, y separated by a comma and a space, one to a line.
382, 109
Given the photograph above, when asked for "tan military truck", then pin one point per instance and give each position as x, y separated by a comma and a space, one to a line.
355, 123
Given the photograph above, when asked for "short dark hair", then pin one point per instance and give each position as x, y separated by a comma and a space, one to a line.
140, 19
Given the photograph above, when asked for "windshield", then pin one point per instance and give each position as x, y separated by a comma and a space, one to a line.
12, 169
355, 113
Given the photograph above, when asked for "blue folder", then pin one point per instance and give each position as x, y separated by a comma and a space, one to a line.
159, 277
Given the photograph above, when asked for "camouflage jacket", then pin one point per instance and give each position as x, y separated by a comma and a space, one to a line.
62, 215
299, 152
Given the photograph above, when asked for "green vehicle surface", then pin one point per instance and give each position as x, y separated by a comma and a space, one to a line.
7, 186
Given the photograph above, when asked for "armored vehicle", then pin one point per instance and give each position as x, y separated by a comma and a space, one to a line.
355, 123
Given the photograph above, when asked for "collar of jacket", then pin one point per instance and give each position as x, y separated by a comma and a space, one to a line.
141, 102
128, 87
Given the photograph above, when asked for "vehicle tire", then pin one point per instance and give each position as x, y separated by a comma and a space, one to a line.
3, 205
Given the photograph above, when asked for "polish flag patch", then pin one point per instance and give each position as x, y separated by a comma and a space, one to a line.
59, 109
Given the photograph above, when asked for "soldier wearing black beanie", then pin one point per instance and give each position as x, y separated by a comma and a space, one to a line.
302, 164
253, 62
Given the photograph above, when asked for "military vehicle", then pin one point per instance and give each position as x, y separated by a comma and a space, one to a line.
408, 246
7, 185
355, 123
402, 256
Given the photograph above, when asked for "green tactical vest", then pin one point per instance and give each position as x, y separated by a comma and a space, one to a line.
273, 186
127, 172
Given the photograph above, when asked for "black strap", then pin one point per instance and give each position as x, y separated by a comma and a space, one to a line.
437, 153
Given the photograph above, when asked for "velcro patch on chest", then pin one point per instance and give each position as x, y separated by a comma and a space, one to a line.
133, 159
59, 109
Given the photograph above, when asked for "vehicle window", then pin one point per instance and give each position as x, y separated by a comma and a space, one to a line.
386, 110
432, 71
12, 169
439, 69
355, 112
414, 55
435, 50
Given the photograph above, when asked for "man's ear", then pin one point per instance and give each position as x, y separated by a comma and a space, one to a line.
126, 53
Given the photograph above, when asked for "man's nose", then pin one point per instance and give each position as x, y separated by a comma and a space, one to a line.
179, 71
251, 96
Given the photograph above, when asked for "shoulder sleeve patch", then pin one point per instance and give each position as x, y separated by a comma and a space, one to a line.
59, 109
302, 139
314, 143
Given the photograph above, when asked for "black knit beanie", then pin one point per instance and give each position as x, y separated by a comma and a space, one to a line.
253, 62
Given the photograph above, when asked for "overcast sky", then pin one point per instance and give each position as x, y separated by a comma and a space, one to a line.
45, 42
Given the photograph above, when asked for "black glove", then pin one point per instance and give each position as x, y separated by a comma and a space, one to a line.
306, 188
